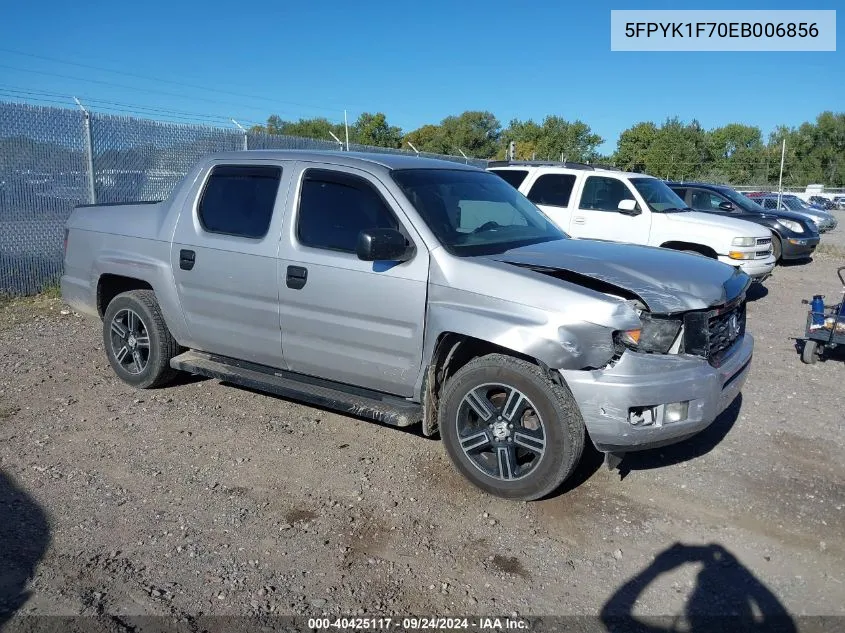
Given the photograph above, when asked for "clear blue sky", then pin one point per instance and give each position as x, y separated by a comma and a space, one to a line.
417, 62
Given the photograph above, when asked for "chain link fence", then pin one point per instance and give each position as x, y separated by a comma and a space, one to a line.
44, 173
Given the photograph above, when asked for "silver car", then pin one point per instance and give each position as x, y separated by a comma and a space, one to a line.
409, 290
823, 220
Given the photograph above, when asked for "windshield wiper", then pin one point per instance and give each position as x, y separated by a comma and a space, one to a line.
677, 210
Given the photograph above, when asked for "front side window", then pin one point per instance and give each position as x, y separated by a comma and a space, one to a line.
334, 207
552, 189
604, 194
474, 212
706, 201
239, 199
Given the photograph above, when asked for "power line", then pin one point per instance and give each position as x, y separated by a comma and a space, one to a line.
168, 81
117, 105
147, 90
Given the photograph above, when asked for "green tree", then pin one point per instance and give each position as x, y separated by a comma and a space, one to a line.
373, 129
633, 145
737, 152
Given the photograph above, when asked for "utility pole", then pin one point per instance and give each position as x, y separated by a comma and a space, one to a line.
780, 178
413, 148
346, 125
462, 154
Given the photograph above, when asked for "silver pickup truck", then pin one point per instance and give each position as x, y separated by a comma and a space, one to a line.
409, 290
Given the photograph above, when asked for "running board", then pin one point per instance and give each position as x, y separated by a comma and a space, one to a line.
322, 393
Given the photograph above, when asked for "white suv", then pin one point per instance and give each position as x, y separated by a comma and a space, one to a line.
605, 204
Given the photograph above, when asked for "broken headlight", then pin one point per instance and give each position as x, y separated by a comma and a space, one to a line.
656, 334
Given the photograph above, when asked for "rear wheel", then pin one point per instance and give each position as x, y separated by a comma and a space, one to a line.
509, 429
811, 352
138, 344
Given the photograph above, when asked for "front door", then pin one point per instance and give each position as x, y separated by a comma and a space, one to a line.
597, 215
224, 264
342, 318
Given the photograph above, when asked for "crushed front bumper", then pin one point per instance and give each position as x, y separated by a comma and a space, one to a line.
608, 396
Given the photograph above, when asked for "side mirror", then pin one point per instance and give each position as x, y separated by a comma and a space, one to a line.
381, 245
726, 206
628, 207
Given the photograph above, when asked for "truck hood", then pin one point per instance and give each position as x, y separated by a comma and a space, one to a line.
737, 228
666, 281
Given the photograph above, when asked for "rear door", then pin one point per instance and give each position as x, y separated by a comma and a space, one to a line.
223, 259
552, 193
348, 320
598, 216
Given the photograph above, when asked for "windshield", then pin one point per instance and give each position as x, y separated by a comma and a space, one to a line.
657, 194
475, 212
741, 201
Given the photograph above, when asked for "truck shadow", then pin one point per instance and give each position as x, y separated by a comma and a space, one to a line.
696, 446
726, 597
24, 537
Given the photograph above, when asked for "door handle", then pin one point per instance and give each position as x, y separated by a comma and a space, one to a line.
187, 259
579, 219
297, 276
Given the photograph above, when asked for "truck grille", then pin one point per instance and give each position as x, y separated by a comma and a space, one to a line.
713, 333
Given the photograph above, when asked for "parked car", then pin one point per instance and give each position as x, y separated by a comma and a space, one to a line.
589, 202
823, 203
839, 201
795, 237
823, 220
410, 290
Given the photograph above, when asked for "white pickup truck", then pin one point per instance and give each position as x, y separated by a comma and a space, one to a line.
605, 204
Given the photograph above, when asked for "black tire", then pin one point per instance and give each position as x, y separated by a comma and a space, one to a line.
777, 248
810, 353
560, 423
161, 346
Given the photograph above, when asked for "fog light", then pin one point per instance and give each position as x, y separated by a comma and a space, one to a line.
676, 411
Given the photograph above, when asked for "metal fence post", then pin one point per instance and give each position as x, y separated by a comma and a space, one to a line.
245, 133
89, 152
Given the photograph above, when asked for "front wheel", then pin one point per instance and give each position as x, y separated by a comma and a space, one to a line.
509, 429
810, 353
777, 249
138, 344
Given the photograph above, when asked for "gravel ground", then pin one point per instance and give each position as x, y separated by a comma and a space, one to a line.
203, 498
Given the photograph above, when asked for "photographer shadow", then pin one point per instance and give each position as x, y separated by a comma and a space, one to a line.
24, 537
726, 597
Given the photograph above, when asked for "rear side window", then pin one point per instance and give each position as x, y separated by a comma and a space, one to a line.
604, 194
334, 207
513, 177
238, 199
552, 189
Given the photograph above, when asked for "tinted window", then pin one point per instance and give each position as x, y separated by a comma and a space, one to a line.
705, 200
552, 189
513, 177
604, 194
682, 192
335, 207
238, 199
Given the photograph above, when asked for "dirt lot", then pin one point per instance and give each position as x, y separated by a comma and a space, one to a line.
208, 499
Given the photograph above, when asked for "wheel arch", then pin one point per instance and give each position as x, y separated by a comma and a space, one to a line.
678, 245
452, 351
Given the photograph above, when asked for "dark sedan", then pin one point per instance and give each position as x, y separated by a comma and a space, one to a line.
794, 236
